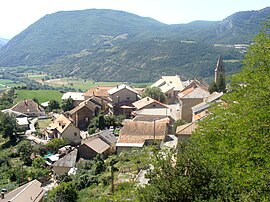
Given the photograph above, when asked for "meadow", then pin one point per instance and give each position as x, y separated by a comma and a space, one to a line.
41, 95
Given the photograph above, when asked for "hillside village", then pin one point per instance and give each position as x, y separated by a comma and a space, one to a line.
144, 121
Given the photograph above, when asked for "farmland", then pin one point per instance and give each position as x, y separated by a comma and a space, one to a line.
41, 95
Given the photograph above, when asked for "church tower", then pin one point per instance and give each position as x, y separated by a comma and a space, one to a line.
220, 70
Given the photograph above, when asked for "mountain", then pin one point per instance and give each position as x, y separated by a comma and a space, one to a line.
111, 45
3, 42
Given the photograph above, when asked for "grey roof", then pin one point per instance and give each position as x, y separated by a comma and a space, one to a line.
200, 107
68, 160
108, 137
118, 88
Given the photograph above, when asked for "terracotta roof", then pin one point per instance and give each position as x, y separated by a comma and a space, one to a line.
60, 124
68, 160
140, 131
121, 87
99, 91
147, 101
73, 95
28, 106
194, 90
29, 192
186, 129
96, 144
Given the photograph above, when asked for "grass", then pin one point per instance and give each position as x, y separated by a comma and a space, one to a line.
41, 95
44, 123
76, 83
6, 83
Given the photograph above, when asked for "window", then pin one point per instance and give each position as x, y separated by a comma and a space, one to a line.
154, 105
75, 134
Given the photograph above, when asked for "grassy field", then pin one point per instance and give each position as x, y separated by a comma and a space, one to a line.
41, 95
6, 83
77, 84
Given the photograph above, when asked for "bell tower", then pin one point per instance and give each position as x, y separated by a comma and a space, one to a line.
220, 70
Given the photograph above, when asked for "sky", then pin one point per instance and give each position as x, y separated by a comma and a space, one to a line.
17, 15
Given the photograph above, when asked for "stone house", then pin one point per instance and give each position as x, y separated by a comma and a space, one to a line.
93, 146
63, 127
29, 108
121, 99
148, 103
190, 96
83, 113
64, 164
136, 134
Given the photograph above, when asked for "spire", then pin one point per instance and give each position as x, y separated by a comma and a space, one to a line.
220, 70
220, 65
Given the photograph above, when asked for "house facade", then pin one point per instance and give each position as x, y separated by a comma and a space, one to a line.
63, 127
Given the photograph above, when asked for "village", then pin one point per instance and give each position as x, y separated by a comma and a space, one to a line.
144, 121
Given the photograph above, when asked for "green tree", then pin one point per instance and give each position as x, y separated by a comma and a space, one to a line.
213, 87
64, 192
36, 100
155, 93
67, 104
228, 157
177, 123
8, 126
53, 104
25, 150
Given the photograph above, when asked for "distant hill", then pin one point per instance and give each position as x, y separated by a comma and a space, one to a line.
119, 46
3, 42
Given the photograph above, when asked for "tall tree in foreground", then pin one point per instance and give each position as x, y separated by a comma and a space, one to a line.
228, 157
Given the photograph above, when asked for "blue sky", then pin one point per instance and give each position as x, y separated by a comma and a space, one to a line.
17, 15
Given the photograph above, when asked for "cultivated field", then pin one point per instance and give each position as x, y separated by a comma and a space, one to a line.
41, 95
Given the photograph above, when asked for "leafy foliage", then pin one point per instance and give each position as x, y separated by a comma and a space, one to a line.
65, 192
67, 104
227, 158
155, 93
8, 126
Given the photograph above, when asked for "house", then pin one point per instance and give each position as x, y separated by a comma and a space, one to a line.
121, 99
108, 137
29, 192
63, 127
64, 164
98, 91
158, 113
75, 96
83, 113
185, 131
170, 86
22, 123
136, 134
21, 119
190, 96
147, 103
93, 146
29, 107
201, 110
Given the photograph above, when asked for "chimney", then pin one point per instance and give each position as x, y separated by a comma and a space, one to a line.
93, 92
117, 86
2, 195
147, 98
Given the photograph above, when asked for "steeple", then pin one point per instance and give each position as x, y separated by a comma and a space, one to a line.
220, 70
